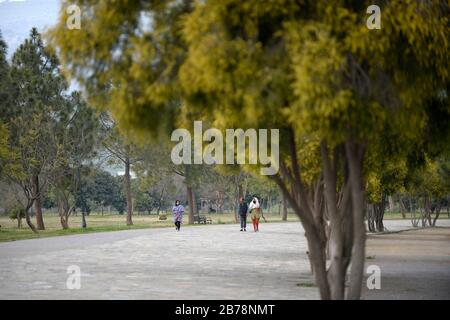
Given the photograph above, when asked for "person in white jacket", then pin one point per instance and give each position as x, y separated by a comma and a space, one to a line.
255, 212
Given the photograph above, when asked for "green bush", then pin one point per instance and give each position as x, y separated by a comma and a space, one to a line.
13, 212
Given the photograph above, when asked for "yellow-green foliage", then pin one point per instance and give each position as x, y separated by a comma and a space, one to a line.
312, 65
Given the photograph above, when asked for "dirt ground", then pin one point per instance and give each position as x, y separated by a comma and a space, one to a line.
414, 264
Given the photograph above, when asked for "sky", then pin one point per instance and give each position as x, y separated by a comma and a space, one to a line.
17, 17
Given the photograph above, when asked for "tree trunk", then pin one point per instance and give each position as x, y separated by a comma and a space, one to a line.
315, 236
371, 217
402, 207
437, 213
19, 219
37, 203
27, 216
284, 217
64, 209
64, 222
83, 219
240, 195
429, 211
414, 219
128, 193
380, 214
375, 215
355, 156
63, 213
337, 232
190, 197
391, 204
160, 201
318, 259
346, 232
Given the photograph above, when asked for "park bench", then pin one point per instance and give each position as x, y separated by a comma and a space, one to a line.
201, 219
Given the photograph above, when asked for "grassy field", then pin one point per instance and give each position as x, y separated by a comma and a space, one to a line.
115, 222
99, 223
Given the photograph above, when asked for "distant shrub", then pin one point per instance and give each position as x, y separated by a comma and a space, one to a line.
15, 212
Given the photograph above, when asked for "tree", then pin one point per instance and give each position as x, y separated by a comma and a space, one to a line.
105, 190
5, 82
154, 176
428, 184
74, 136
119, 149
386, 170
313, 70
340, 97
37, 88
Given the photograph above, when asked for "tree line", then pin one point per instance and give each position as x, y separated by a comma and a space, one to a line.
54, 148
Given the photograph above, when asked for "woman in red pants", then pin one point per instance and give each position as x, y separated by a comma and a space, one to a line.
255, 211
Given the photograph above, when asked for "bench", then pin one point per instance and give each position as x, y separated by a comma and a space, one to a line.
202, 219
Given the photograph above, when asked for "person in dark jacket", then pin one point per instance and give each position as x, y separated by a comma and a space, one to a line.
243, 208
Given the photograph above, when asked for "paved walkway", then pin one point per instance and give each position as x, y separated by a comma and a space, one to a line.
208, 262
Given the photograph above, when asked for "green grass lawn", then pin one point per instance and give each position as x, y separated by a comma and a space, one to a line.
99, 223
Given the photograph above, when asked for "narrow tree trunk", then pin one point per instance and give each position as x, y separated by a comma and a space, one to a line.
355, 157
402, 208
380, 214
190, 197
391, 204
63, 208
240, 195
284, 217
28, 219
37, 203
437, 213
160, 201
128, 193
429, 211
336, 271
19, 219
64, 222
371, 217
316, 239
318, 259
335, 246
194, 202
414, 219
83, 219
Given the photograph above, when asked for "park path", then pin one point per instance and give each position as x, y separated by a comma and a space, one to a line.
207, 262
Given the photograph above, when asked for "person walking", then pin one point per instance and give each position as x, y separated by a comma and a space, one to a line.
178, 211
243, 208
255, 211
